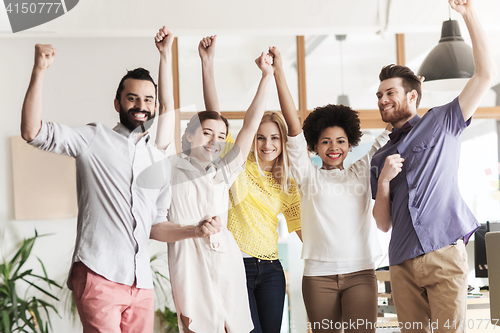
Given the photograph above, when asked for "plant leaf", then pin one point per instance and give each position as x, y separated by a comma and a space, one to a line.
46, 278
19, 314
13, 299
5, 325
22, 254
28, 272
48, 305
41, 289
49, 281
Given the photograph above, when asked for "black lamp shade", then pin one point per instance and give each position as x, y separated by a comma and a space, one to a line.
451, 58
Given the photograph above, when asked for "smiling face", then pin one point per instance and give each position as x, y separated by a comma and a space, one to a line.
333, 147
208, 140
396, 106
268, 144
137, 103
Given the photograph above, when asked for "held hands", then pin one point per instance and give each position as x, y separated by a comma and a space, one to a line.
208, 227
44, 56
392, 167
275, 54
206, 48
265, 63
461, 6
164, 39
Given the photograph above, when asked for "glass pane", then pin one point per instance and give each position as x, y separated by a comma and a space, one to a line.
367, 140
363, 55
479, 169
236, 74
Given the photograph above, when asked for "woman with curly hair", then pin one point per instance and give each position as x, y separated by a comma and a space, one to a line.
340, 242
260, 193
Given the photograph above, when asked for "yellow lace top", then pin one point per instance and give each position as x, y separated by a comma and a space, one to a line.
256, 200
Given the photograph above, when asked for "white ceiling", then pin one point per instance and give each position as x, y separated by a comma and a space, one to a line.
246, 28
92, 18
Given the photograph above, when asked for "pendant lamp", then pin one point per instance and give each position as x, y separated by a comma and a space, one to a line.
342, 98
451, 58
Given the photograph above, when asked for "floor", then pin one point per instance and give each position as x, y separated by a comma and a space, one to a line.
478, 317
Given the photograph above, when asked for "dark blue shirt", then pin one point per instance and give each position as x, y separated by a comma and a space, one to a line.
428, 212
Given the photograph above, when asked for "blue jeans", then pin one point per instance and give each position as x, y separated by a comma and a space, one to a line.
266, 292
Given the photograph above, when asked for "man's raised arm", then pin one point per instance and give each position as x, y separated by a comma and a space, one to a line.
166, 115
31, 118
486, 70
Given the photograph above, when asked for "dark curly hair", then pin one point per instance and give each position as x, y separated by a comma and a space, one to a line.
328, 116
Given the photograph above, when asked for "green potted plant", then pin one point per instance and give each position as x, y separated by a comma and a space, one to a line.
168, 318
27, 313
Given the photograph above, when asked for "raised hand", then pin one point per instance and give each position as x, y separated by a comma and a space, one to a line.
44, 56
208, 227
392, 167
461, 6
265, 63
164, 39
275, 54
206, 48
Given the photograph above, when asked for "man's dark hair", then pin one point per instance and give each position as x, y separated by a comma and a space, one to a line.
328, 116
410, 80
136, 74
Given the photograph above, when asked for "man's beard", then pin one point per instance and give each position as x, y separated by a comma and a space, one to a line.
134, 125
401, 112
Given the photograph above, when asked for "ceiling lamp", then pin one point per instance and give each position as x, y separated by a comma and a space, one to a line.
342, 98
451, 58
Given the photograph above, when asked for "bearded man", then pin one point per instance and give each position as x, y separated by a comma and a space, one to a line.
414, 184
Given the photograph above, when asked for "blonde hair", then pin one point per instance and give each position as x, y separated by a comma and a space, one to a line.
281, 166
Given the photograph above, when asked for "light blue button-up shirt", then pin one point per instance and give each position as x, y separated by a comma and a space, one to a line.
115, 214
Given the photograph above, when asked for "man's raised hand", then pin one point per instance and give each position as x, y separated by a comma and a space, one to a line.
461, 6
164, 39
44, 56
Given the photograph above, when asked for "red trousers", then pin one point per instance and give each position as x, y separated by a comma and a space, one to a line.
109, 307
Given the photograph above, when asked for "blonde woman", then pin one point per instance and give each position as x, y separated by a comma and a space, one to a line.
257, 197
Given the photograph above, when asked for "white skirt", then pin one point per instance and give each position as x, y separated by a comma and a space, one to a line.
209, 284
